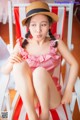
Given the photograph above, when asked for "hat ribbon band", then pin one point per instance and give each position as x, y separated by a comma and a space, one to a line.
36, 11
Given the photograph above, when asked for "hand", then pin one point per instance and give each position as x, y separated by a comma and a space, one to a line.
15, 58
67, 96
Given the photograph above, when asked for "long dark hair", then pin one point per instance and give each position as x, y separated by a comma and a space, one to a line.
27, 35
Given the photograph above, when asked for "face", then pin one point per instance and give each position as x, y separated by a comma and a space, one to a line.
39, 27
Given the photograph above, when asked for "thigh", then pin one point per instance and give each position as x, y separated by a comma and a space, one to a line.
23, 76
43, 78
55, 95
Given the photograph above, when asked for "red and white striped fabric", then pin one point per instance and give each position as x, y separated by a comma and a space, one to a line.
57, 28
55, 114
20, 14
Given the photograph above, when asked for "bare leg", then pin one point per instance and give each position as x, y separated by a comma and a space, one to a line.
46, 91
23, 80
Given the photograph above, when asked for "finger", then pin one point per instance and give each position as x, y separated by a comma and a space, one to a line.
16, 57
65, 101
62, 102
17, 60
16, 54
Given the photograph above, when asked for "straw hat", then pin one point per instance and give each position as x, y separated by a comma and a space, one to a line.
39, 7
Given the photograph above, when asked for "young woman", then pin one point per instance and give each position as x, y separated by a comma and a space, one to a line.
33, 62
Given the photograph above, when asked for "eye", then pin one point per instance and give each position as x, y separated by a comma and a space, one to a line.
33, 24
44, 24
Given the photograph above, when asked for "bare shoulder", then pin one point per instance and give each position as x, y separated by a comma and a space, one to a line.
60, 42
61, 45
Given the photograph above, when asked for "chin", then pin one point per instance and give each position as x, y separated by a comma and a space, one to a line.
38, 39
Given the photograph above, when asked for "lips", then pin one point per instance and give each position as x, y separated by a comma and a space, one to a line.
38, 36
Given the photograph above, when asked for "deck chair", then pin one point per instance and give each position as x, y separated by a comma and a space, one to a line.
19, 13
21, 114
4, 53
5, 84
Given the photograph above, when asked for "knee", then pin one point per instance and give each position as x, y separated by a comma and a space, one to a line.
20, 66
38, 75
38, 72
45, 115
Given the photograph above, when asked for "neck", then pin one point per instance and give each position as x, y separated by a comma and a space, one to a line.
40, 42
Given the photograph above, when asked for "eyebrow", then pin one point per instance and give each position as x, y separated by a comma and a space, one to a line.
41, 21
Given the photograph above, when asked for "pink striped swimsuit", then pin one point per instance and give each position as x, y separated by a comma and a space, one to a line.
48, 61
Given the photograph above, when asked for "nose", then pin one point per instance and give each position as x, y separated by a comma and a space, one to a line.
38, 28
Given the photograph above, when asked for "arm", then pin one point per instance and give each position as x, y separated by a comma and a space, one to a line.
14, 57
73, 70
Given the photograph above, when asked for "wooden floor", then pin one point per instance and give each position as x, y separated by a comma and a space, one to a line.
4, 33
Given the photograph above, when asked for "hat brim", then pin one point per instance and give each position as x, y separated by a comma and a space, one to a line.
52, 15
